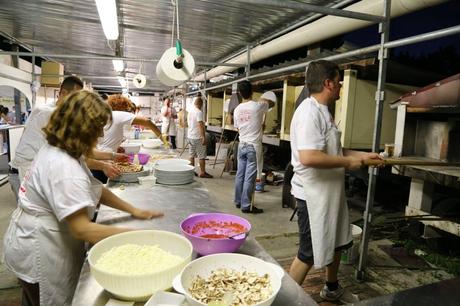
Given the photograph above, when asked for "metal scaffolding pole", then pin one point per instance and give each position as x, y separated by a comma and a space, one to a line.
384, 29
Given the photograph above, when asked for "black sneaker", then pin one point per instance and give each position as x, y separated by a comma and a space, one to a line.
238, 206
254, 210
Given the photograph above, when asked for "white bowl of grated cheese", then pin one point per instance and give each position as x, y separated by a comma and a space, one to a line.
134, 265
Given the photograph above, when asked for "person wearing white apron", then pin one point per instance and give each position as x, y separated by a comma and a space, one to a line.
248, 119
318, 184
32, 138
168, 122
44, 242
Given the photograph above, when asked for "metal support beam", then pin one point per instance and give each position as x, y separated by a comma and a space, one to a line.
34, 91
248, 61
384, 29
315, 9
105, 58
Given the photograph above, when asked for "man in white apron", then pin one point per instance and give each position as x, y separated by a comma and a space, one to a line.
168, 122
248, 118
318, 183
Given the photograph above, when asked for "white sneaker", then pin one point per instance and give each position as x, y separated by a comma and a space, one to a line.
331, 295
340, 294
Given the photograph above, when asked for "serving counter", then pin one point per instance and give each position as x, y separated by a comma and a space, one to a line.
177, 203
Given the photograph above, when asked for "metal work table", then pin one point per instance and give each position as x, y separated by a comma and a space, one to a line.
177, 203
444, 293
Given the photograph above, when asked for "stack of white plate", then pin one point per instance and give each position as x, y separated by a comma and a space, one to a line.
174, 174
172, 161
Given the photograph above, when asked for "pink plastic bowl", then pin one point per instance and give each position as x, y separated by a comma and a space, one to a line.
143, 158
205, 246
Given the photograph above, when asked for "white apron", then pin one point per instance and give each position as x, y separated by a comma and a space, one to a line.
327, 207
58, 256
168, 126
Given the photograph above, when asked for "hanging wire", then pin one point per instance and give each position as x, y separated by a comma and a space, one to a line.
177, 18
173, 2
140, 67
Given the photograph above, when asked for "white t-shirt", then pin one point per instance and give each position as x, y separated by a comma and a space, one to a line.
168, 124
193, 117
248, 117
57, 183
309, 127
113, 132
33, 138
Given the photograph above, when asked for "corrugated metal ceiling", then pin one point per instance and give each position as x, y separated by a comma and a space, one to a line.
209, 29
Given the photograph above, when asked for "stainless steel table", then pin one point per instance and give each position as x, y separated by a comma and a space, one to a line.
177, 203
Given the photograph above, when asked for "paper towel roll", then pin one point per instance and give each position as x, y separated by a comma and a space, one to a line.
170, 75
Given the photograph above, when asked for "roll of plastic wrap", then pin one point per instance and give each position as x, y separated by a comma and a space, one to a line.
167, 72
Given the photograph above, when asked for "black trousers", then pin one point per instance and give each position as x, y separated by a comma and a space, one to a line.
30, 294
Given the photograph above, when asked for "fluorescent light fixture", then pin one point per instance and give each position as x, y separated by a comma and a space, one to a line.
107, 10
118, 65
122, 81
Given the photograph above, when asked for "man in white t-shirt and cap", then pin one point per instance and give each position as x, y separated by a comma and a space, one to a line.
268, 97
319, 164
248, 118
196, 136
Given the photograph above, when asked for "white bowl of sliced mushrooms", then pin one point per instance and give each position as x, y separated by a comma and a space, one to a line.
229, 279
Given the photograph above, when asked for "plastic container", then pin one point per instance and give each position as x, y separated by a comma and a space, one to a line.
351, 255
147, 180
166, 298
206, 246
143, 158
131, 148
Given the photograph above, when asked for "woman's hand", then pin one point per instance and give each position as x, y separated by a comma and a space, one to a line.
146, 214
120, 158
110, 170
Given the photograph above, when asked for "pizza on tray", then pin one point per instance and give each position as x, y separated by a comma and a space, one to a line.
128, 167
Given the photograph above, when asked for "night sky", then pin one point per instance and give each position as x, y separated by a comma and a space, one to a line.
427, 20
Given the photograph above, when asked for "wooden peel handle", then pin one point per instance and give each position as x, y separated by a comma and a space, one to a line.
408, 162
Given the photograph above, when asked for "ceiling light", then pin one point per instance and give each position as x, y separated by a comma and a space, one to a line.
107, 10
118, 65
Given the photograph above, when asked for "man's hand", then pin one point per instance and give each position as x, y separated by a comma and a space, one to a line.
373, 156
203, 141
110, 170
146, 214
165, 140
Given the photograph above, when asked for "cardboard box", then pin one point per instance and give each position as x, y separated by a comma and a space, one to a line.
52, 68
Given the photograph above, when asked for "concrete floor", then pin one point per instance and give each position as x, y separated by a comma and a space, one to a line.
278, 235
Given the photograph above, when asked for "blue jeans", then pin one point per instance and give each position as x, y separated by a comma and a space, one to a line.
245, 175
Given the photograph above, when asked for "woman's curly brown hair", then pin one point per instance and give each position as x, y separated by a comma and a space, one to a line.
119, 102
77, 123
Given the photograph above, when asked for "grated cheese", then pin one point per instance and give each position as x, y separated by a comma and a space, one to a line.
133, 259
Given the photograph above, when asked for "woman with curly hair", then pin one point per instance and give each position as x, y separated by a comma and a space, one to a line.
123, 116
44, 243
